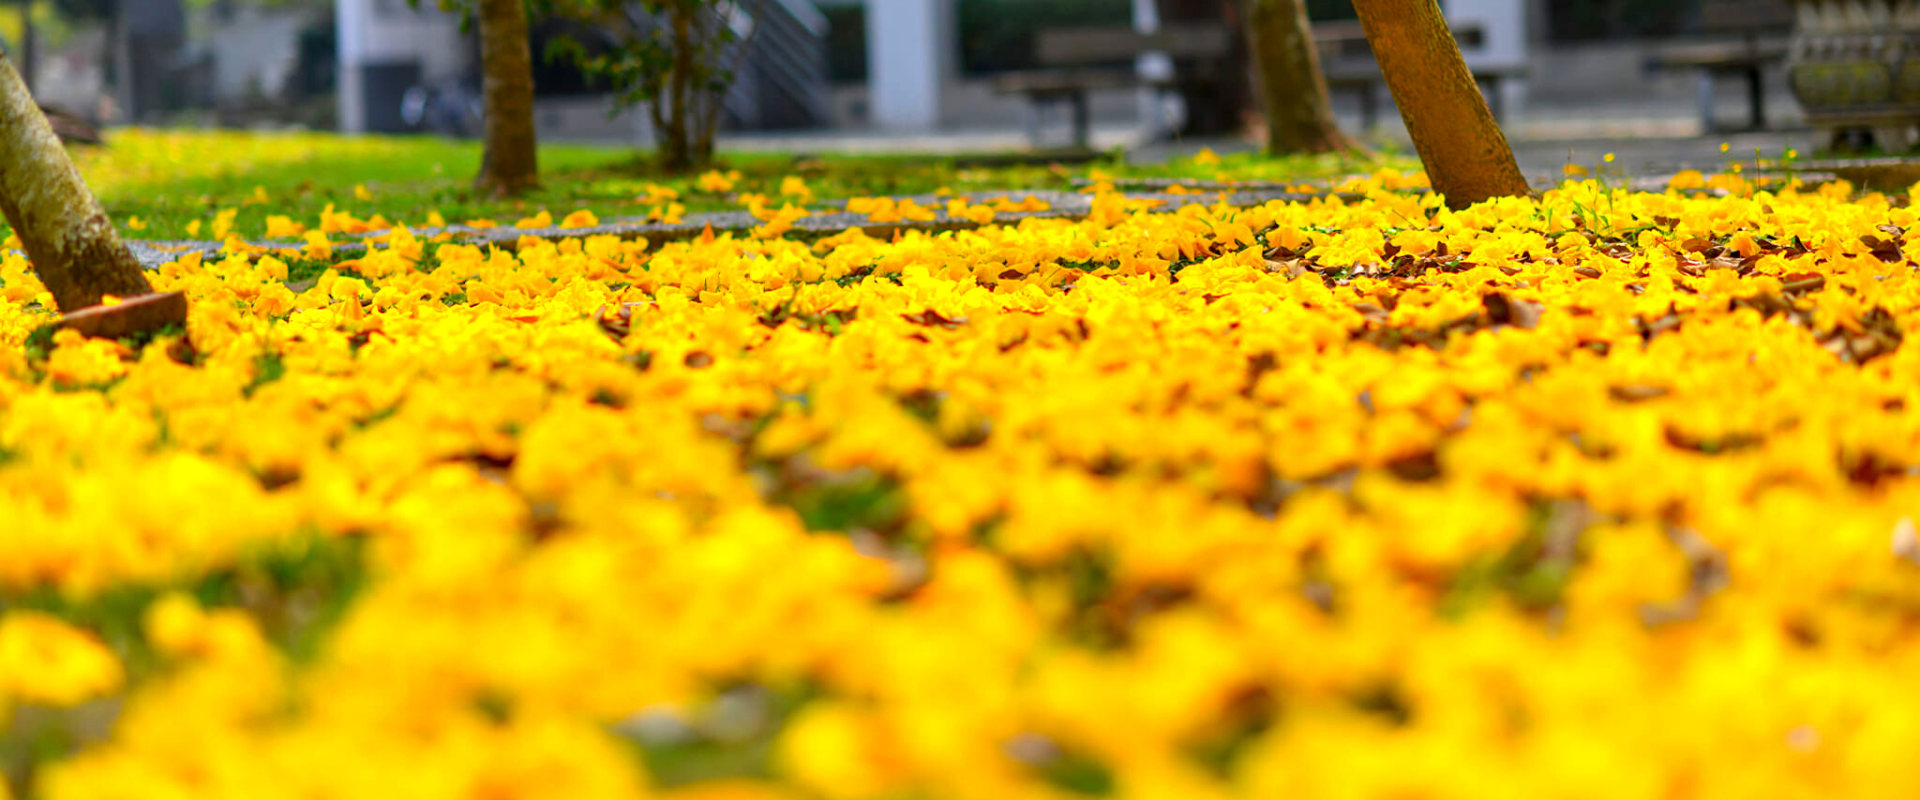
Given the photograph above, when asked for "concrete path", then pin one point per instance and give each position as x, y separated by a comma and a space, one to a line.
823, 222
1544, 161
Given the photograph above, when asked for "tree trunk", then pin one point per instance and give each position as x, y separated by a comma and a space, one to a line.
68, 238
678, 150
1294, 91
509, 163
1217, 96
1459, 141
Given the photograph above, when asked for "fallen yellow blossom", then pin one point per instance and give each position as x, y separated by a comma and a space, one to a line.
1602, 492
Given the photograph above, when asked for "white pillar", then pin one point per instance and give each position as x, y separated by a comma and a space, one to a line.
910, 55
350, 18
385, 32
1504, 23
1152, 66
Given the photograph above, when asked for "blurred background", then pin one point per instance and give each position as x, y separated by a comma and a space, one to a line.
932, 71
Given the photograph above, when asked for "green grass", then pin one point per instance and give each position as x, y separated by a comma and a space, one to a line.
169, 180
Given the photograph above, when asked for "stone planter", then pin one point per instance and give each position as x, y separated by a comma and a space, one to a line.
1855, 65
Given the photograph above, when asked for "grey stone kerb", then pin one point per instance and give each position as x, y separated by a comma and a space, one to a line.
1062, 205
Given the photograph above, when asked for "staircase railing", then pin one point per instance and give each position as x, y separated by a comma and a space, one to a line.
783, 81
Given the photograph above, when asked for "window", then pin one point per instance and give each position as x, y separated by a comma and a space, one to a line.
846, 42
1330, 10
1586, 20
998, 35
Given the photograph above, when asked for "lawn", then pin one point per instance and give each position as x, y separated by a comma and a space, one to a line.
1594, 494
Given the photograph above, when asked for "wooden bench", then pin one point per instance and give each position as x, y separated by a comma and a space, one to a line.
1749, 36
1085, 59
1347, 60
1081, 60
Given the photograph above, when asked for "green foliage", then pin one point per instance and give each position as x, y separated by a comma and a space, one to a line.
676, 56
855, 500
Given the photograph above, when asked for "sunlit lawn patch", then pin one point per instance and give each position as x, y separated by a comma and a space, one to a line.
162, 184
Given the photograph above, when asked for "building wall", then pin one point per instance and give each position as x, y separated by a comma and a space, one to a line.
255, 50
386, 42
73, 76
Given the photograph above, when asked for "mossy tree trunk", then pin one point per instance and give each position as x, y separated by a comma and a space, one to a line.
674, 114
1459, 141
67, 236
1293, 89
509, 163
686, 113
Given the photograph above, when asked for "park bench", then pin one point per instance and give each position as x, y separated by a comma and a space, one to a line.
1348, 63
1749, 36
1077, 61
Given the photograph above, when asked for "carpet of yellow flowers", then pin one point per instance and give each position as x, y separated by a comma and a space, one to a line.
1600, 494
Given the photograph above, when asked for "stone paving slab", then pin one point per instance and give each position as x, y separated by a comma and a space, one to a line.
1063, 205
831, 220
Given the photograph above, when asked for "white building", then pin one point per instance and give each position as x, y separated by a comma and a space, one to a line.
924, 68
386, 47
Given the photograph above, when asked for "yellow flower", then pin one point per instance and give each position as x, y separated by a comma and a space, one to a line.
1031, 509
839, 751
1687, 179
716, 182
317, 246
779, 222
79, 361
657, 194
580, 219
795, 187
45, 660
223, 222
1030, 203
283, 227
669, 214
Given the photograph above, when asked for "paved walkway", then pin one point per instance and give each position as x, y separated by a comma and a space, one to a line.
1544, 160
1061, 205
